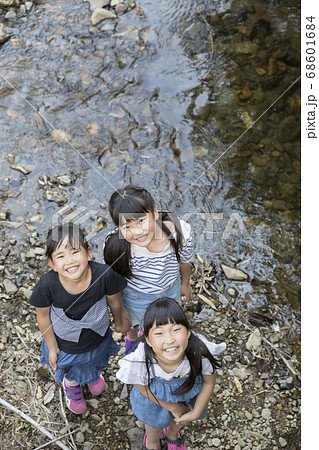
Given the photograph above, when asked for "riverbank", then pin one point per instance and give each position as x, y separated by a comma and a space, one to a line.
256, 404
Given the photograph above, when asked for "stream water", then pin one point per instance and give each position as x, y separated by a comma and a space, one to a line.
197, 101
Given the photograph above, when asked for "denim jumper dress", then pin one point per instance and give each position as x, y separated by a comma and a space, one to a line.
156, 416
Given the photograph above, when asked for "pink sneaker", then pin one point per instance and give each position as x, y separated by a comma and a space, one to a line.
74, 398
179, 444
98, 387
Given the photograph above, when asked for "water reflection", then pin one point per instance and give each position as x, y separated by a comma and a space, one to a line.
156, 101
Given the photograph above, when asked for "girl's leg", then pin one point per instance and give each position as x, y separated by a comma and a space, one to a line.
130, 340
173, 430
152, 437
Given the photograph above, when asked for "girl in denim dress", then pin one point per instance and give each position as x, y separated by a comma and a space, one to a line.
173, 371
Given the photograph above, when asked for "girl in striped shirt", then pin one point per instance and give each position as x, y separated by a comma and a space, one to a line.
151, 249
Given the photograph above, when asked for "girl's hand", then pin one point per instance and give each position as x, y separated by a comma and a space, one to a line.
186, 293
53, 357
180, 410
188, 417
125, 324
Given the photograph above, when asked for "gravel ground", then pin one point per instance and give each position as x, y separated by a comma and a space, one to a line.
256, 404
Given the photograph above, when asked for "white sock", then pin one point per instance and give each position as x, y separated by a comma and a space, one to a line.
70, 382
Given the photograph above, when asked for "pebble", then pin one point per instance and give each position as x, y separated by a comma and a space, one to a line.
6, 2
10, 15
216, 442
9, 287
266, 413
282, 442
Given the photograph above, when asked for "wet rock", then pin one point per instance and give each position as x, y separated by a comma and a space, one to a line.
9, 287
28, 5
121, 8
246, 48
100, 14
234, 274
4, 37
94, 4
260, 30
8, 224
288, 129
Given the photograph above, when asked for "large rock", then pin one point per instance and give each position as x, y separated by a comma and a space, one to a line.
100, 14
234, 274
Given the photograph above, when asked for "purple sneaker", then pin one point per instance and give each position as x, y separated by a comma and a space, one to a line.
74, 398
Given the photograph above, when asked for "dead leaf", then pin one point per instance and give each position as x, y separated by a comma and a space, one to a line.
15, 41
206, 300
29, 227
39, 393
238, 385
49, 395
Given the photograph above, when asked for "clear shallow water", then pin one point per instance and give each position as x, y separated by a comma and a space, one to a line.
164, 100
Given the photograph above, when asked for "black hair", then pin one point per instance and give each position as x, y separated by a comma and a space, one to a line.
166, 310
132, 203
70, 231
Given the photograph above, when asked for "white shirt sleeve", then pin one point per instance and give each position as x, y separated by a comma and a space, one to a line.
214, 349
187, 251
133, 368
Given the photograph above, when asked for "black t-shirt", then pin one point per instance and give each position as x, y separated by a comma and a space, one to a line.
49, 291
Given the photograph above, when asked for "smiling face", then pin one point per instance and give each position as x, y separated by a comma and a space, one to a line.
71, 263
169, 343
140, 231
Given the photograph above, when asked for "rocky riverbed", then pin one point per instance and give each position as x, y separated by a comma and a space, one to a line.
256, 404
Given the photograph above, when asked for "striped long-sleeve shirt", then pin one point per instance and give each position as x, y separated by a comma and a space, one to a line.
155, 272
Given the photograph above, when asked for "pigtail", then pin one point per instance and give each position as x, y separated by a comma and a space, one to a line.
117, 253
176, 243
195, 352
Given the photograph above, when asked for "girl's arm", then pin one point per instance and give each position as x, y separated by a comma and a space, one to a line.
45, 326
201, 400
186, 290
177, 409
120, 315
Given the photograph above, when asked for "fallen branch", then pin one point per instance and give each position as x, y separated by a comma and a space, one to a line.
33, 422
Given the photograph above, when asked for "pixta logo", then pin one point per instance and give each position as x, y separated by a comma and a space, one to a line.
77, 215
